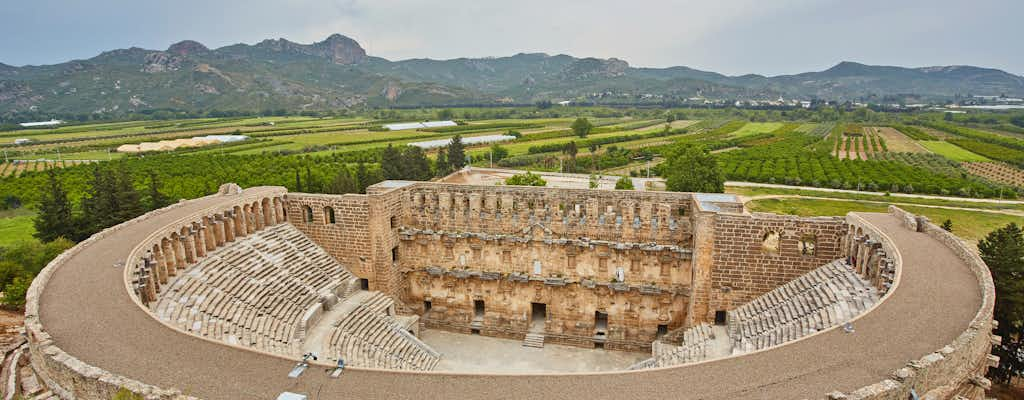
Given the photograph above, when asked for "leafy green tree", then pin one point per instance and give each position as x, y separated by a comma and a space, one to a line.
593, 147
442, 166
595, 181
581, 127
624, 183
445, 114
156, 198
391, 163
498, 152
527, 179
457, 153
691, 168
947, 225
125, 394
415, 165
1003, 252
54, 218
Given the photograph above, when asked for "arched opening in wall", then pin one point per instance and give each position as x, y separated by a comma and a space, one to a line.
478, 310
807, 245
770, 242
364, 284
427, 305
329, 215
394, 222
662, 330
537, 267
308, 211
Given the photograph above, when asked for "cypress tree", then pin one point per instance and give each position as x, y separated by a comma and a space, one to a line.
54, 218
343, 182
391, 163
362, 178
1003, 252
442, 167
456, 153
416, 165
156, 199
128, 201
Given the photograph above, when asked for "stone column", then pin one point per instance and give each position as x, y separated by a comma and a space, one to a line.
147, 283
154, 276
268, 217
190, 251
209, 234
179, 253
219, 230
238, 222
257, 212
169, 259
199, 242
229, 229
159, 265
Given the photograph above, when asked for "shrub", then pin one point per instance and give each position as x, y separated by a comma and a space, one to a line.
527, 179
624, 183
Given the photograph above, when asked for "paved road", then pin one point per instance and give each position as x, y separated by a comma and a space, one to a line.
89, 314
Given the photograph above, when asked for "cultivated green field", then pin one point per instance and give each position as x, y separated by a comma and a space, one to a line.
755, 128
951, 151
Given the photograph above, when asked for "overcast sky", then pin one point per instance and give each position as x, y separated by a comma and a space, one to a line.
730, 36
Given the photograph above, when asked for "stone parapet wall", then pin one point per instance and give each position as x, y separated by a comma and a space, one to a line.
958, 369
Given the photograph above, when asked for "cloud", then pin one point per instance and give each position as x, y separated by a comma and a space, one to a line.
735, 36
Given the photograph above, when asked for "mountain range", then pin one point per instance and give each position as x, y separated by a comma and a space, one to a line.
337, 73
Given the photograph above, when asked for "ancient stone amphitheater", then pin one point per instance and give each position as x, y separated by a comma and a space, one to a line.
220, 297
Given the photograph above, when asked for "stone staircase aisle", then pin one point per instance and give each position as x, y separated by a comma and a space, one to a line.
534, 339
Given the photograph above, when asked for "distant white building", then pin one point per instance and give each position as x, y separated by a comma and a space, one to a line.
564, 103
22, 141
419, 125
52, 122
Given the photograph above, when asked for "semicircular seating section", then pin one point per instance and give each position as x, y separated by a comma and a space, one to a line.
369, 337
254, 292
827, 296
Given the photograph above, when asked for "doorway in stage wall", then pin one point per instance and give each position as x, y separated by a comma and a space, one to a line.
538, 314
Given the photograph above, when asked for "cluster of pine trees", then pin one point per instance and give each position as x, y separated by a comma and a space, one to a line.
110, 198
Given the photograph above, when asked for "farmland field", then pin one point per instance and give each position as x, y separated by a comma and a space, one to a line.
755, 128
897, 142
951, 151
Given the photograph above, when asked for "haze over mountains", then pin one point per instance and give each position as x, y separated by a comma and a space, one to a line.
338, 73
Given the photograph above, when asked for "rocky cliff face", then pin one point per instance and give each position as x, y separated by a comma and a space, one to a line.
337, 48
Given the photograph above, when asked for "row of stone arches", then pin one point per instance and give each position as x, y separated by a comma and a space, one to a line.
185, 245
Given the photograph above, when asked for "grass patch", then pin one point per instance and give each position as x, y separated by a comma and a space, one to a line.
16, 226
951, 151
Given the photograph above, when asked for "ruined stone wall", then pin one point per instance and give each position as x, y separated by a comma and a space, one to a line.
579, 252
348, 238
753, 254
575, 279
627, 216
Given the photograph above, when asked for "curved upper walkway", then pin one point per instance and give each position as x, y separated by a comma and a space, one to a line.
89, 314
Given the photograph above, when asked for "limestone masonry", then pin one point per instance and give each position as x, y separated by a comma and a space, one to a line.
693, 281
